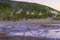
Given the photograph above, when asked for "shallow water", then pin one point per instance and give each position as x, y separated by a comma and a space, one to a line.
31, 30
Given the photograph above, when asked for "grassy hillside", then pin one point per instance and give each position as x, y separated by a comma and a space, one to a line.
19, 10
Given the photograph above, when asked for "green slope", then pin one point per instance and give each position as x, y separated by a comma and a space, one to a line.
8, 10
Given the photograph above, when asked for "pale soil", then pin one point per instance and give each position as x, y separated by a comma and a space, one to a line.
31, 22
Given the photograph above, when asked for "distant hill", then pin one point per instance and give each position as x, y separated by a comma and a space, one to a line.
28, 6
25, 10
